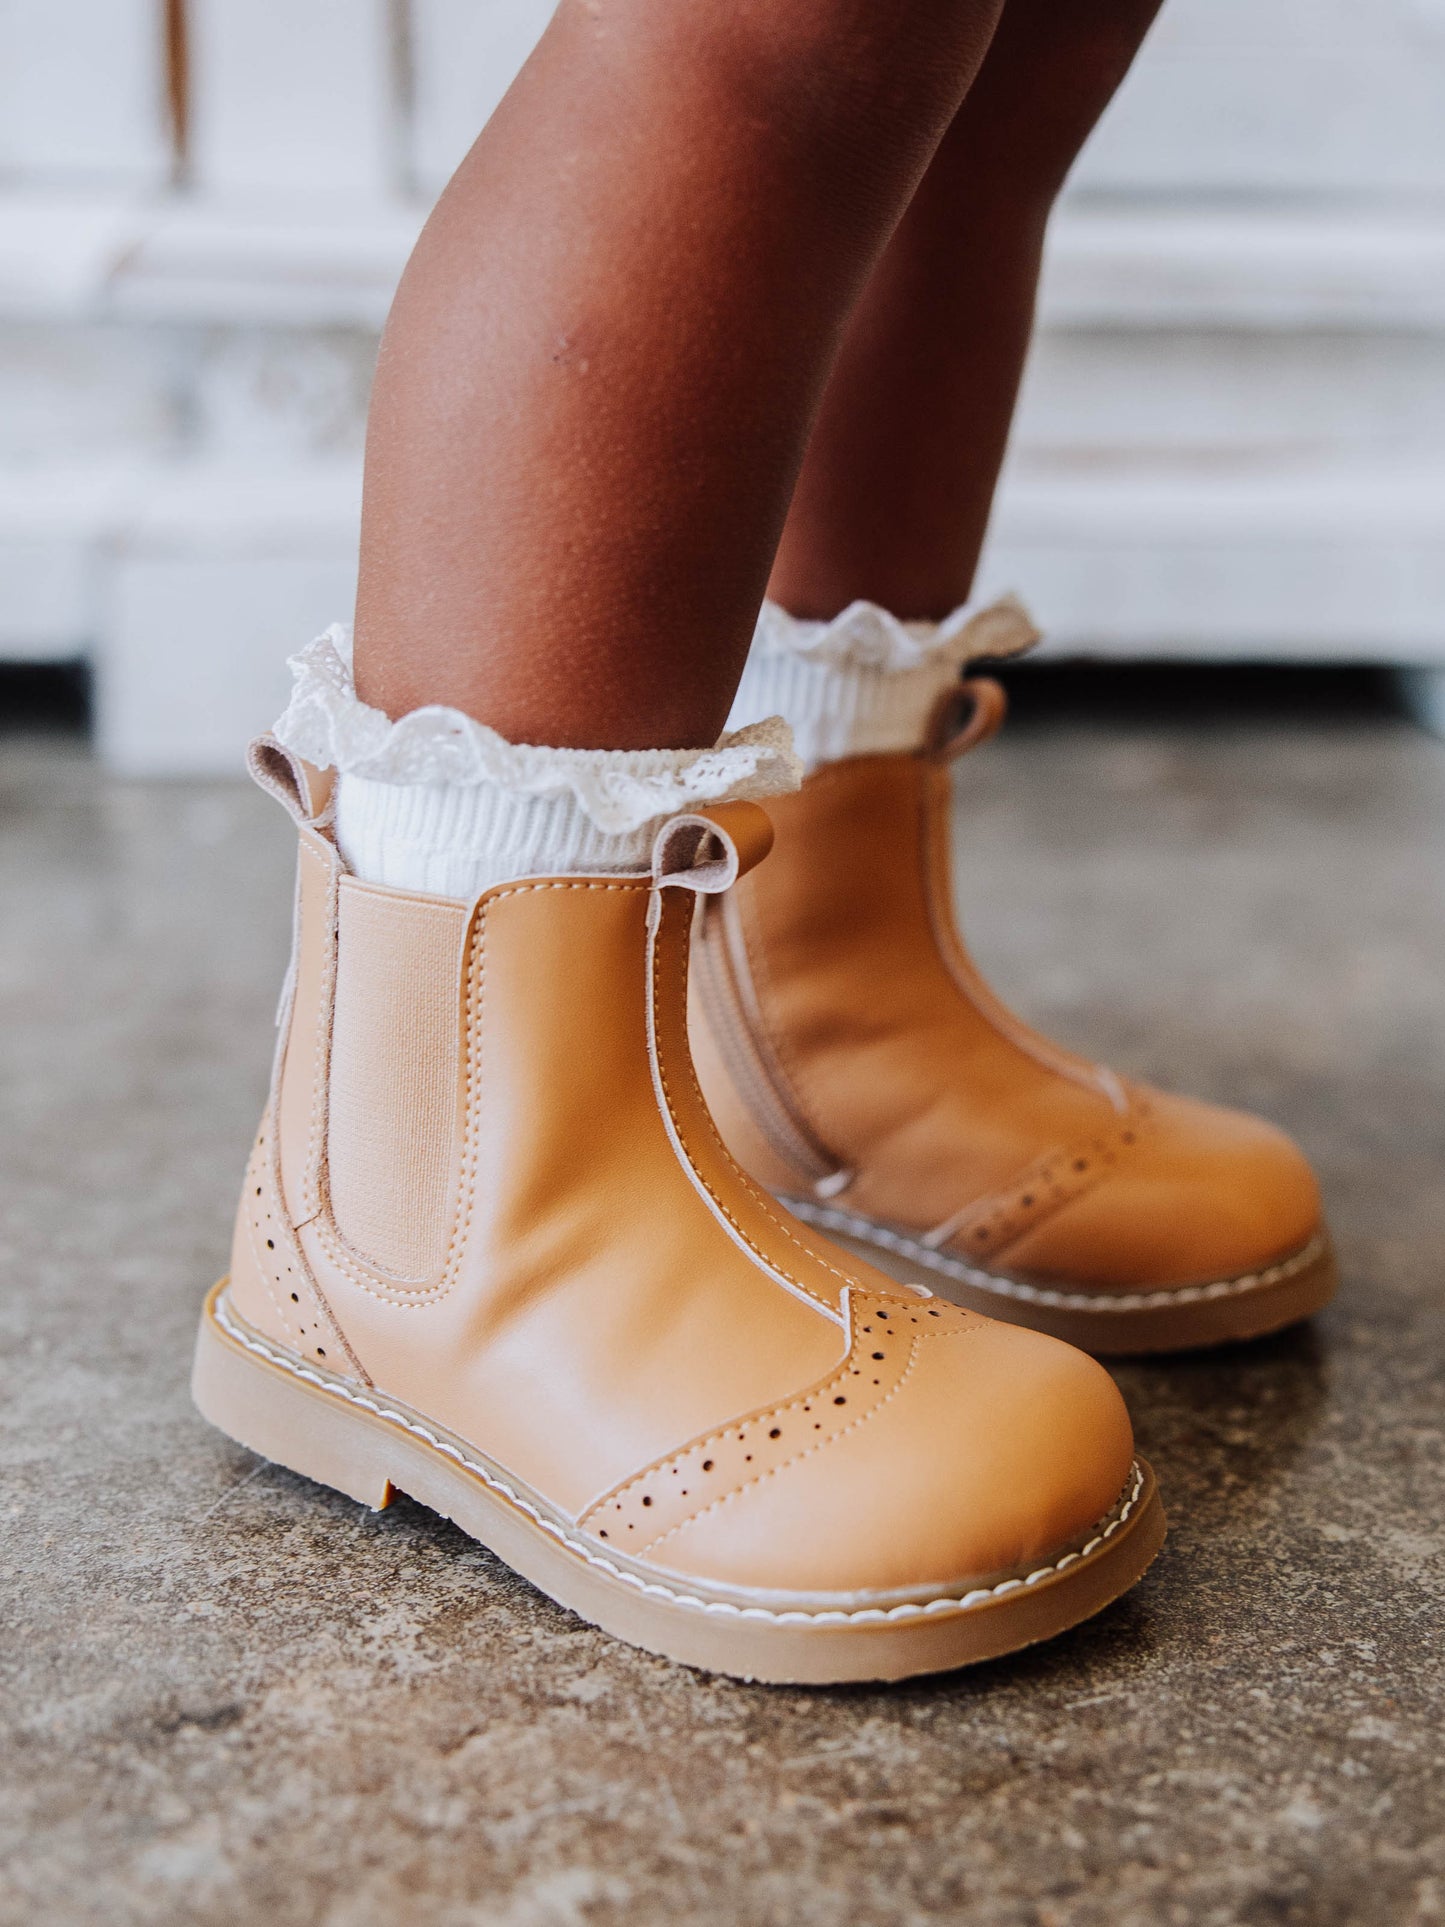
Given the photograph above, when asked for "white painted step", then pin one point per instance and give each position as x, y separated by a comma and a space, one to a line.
190, 583
333, 259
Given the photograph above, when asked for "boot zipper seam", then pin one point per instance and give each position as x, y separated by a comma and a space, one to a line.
748, 1059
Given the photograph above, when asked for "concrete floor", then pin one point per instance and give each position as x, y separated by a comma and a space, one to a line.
230, 1696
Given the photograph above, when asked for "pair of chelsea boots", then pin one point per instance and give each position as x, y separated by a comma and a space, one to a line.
742, 1320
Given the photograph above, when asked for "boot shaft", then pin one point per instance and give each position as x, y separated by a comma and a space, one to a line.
487, 1171
843, 1030
492, 1252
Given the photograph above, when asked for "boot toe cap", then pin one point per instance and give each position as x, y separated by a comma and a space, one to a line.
999, 1451
1213, 1195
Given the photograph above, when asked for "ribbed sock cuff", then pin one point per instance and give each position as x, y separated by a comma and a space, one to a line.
866, 683
437, 802
450, 840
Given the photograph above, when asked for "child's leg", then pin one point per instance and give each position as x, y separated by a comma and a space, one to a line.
936, 1118
605, 356
490, 1250
896, 490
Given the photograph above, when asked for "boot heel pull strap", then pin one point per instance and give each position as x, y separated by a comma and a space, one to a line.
973, 710
967, 715
302, 790
708, 850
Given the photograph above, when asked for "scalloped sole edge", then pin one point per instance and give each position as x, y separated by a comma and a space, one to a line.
371, 1447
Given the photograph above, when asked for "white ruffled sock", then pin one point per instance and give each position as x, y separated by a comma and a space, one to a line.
437, 802
866, 683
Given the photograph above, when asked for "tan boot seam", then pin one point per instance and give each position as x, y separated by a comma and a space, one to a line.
282, 1310
270, 1147
755, 1192
981, 1329
476, 1022
798, 1458
933, 857
269, 1142
1103, 1300
1104, 1528
320, 1043
755, 950
374, 1282
783, 1409
339, 1246
1068, 1172
746, 1047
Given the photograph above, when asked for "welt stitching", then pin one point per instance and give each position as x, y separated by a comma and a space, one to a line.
748, 1241
1103, 1529
1100, 1301
798, 1458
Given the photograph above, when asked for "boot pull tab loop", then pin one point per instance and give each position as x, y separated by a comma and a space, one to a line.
967, 715
706, 851
974, 709
302, 790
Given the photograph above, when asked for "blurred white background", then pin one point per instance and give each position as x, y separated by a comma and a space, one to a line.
1233, 437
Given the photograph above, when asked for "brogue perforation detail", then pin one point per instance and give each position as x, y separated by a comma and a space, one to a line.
1089, 1543
667, 1495
282, 1265
986, 1227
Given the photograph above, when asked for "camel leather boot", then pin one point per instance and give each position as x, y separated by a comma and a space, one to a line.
859, 1067
491, 1253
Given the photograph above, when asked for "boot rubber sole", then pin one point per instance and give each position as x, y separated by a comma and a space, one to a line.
369, 1446
1173, 1318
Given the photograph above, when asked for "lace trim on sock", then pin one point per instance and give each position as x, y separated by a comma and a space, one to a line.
619, 791
866, 636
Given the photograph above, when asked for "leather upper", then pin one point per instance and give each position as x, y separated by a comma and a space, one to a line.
923, 1103
543, 1246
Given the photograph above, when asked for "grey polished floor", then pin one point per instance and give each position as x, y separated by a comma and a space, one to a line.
229, 1696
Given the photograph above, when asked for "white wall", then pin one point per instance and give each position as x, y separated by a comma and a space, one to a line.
1232, 440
